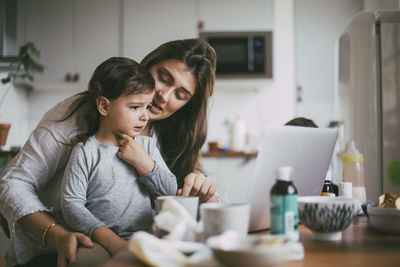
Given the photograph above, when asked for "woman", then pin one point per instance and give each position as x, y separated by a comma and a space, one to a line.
184, 72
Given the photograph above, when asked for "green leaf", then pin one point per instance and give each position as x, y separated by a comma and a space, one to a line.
26, 64
393, 172
6, 80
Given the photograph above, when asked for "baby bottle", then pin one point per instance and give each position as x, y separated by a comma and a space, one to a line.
238, 134
353, 171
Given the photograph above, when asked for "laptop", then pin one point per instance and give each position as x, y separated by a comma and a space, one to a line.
307, 150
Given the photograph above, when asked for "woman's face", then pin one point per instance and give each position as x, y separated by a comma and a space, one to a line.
175, 85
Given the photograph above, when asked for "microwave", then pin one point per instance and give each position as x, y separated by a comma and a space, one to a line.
242, 54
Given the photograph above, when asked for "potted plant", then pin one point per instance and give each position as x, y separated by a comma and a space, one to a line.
22, 67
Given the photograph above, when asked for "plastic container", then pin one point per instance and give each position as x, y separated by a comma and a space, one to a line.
353, 171
327, 188
284, 205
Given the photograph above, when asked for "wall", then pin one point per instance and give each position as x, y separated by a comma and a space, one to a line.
14, 110
42, 100
260, 102
316, 35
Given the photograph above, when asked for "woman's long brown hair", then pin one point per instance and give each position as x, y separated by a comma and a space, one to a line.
182, 135
111, 79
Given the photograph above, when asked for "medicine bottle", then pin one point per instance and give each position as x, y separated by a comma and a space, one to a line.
353, 171
327, 188
284, 205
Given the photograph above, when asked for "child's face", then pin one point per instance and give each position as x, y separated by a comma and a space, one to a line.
129, 114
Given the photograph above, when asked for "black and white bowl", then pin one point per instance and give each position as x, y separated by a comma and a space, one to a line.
326, 217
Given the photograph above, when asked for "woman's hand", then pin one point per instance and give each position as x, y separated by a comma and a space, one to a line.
135, 154
66, 244
196, 184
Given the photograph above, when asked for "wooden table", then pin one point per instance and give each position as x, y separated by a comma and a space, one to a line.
361, 245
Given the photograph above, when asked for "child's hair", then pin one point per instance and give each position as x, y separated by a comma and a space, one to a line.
301, 121
111, 79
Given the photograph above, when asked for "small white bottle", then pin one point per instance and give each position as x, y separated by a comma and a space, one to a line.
238, 134
353, 171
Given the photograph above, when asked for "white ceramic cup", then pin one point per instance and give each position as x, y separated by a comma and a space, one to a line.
191, 204
218, 218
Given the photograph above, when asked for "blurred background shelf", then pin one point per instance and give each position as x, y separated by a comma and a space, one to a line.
229, 154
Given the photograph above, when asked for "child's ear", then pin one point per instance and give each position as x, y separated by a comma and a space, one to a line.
103, 105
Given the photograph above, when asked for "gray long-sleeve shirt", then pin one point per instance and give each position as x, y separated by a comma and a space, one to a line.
100, 189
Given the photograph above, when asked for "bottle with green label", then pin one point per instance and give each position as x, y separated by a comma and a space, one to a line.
284, 205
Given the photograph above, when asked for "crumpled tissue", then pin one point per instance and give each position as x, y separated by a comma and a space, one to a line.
177, 221
184, 232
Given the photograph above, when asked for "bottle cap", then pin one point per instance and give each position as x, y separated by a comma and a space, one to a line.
352, 154
345, 189
284, 173
328, 176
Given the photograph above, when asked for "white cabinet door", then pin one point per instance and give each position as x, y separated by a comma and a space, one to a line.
228, 15
73, 36
48, 24
149, 23
97, 31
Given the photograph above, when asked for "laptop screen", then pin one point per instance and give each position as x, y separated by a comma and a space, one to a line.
307, 150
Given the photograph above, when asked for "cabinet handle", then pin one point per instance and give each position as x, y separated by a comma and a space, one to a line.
76, 77
68, 77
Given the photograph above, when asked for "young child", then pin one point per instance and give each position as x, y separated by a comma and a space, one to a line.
113, 175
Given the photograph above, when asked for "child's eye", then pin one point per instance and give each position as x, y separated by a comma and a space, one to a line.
149, 106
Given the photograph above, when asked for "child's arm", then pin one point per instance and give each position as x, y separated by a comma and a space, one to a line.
75, 213
158, 180
108, 239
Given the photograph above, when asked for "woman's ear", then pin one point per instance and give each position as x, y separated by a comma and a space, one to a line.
103, 105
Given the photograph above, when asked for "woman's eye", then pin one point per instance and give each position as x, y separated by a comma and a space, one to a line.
135, 107
164, 79
149, 106
180, 96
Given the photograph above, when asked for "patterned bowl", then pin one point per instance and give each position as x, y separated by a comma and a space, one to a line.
326, 217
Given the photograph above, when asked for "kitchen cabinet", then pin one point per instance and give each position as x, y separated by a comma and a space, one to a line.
149, 23
238, 15
73, 37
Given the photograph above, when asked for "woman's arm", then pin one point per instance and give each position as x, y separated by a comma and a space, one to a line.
65, 242
38, 163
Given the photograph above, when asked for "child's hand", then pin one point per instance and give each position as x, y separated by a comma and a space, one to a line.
134, 153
